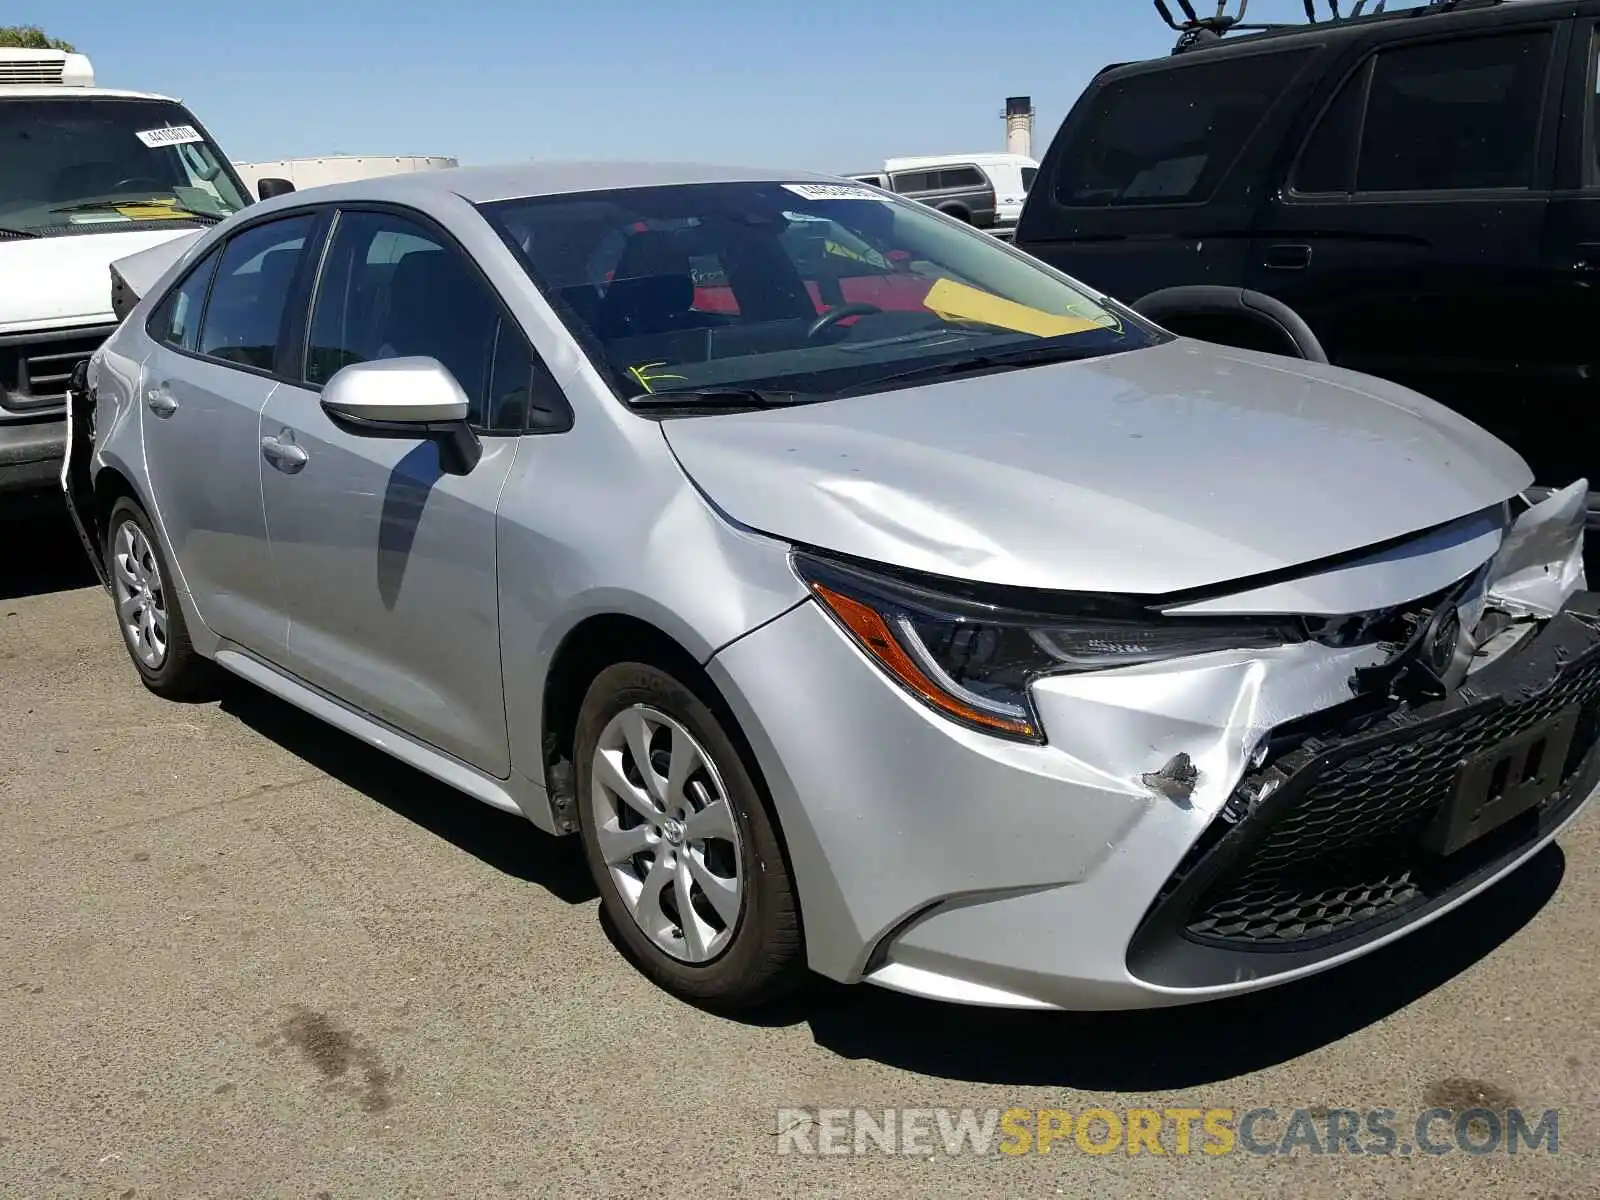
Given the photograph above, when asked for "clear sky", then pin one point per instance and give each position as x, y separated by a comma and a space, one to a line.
822, 85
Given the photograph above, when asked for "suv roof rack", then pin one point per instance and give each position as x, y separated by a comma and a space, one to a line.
1195, 30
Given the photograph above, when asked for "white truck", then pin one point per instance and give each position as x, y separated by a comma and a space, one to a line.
88, 175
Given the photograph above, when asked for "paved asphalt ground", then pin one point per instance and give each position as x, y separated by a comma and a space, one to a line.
242, 955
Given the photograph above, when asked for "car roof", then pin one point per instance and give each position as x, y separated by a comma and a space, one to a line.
18, 91
481, 185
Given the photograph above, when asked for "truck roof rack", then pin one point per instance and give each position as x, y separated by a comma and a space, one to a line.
1194, 30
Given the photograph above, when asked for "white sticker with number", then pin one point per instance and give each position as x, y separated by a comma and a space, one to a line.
833, 191
169, 135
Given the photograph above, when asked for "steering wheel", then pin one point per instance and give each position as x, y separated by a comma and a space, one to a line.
137, 181
834, 315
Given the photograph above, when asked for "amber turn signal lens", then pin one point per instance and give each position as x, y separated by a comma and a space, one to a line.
875, 637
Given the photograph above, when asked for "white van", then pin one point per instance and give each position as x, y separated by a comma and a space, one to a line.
1011, 175
88, 175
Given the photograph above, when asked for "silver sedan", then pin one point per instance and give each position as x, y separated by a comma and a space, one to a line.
867, 596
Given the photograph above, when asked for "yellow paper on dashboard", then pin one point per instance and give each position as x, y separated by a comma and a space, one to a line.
151, 212
957, 302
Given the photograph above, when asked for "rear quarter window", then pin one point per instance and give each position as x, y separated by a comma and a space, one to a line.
1168, 136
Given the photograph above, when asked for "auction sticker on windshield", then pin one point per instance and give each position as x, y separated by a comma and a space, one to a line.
169, 135
832, 191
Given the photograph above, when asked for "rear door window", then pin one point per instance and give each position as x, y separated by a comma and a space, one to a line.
1593, 133
1169, 136
1327, 163
1455, 116
243, 319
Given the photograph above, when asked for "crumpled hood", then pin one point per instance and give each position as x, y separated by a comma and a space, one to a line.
66, 280
1148, 472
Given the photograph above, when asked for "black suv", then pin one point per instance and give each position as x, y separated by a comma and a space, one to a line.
1421, 186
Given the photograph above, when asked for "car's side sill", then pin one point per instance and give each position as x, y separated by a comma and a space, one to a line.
429, 761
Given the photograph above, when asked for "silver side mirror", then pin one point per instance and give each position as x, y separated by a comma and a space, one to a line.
411, 391
409, 398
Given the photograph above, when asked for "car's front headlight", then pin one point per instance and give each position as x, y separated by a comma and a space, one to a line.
973, 661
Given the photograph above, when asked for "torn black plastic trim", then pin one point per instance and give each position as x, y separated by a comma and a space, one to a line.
77, 486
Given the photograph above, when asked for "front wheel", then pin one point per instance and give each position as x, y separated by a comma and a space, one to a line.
148, 613
681, 842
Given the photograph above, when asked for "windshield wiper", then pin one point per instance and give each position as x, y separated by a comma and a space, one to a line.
91, 205
722, 397
1028, 356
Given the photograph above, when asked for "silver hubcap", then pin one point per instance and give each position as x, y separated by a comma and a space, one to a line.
667, 833
141, 600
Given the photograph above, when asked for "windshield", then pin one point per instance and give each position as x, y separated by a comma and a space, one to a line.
795, 287
90, 164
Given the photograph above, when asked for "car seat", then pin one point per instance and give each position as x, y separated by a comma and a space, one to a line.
651, 291
436, 309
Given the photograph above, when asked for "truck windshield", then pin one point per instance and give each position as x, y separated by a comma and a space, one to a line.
90, 164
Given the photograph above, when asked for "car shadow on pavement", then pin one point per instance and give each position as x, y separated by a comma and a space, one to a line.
504, 841
53, 558
1167, 1049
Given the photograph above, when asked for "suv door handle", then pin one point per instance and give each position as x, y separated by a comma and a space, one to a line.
1587, 261
1287, 256
285, 456
160, 401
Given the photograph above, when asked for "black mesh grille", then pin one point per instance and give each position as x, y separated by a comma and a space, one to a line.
1342, 834
1349, 849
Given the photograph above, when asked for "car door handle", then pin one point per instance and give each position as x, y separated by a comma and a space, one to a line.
286, 456
1587, 261
1287, 256
160, 401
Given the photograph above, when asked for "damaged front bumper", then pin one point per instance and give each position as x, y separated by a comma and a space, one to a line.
1195, 828
1360, 830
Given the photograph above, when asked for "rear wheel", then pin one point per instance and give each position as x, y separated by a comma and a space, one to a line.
681, 842
148, 613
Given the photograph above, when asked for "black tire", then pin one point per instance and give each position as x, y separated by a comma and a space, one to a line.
182, 673
764, 957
